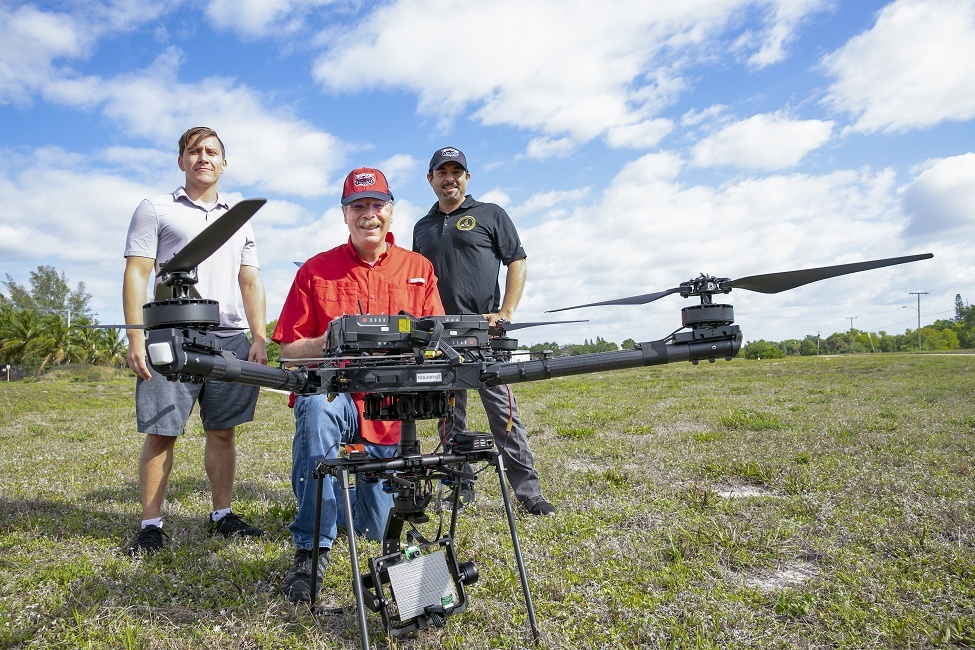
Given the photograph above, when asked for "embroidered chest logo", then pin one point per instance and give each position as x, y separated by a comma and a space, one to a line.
466, 223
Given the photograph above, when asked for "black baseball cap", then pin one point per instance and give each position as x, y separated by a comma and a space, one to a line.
446, 155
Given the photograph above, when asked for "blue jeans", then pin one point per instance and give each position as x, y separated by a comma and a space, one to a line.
320, 427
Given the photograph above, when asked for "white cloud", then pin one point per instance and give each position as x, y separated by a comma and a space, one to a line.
940, 201
83, 236
31, 41
262, 19
644, 135
38, 45
268, 149
913, 69
543, 148
695, 117
399, 170
570, 69
770, 141
782, 22
495, 195
648, 232
545, 201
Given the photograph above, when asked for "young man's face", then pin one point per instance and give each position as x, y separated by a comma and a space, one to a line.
203, 162
449, 182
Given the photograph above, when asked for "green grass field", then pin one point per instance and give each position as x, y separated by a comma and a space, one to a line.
814, 502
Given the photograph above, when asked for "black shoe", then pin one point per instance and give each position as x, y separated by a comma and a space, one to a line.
149, 540
296, 585
539, 507
233, 525
466, 498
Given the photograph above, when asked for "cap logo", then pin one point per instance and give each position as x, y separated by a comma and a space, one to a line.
449, 152
364, 179
466, 223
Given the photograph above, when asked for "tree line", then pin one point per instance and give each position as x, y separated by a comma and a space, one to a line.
956, 333
944, 334
39, 325
39, 329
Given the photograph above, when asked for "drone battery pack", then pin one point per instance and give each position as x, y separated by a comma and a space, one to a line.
465, 331
369, 333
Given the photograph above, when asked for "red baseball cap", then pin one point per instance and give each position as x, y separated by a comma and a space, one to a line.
365, 183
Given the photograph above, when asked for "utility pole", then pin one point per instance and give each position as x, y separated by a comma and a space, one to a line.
918, 294
852, 340
817, 342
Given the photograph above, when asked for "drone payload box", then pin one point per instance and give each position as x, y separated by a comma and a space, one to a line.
368, 333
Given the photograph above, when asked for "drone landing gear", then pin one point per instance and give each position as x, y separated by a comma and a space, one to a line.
418, 584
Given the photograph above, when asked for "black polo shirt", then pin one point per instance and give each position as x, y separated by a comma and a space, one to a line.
467, 248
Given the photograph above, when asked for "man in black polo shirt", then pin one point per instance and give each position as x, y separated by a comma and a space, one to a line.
467, 241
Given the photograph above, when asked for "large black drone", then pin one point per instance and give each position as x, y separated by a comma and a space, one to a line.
407, 366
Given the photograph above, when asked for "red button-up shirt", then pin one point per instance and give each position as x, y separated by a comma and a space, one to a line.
339, 282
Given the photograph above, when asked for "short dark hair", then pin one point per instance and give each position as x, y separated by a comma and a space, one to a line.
197, 133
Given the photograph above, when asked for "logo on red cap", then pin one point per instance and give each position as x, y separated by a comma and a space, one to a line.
364, 178
363, 183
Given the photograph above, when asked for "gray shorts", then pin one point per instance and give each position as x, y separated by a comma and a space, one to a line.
163, 407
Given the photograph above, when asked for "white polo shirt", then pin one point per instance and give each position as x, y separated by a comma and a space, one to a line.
163, 224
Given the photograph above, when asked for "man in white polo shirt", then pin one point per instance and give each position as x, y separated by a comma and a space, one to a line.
160, 227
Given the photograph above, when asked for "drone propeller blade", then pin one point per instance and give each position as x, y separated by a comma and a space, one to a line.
777, 282
213, 237
509, 327
632, 300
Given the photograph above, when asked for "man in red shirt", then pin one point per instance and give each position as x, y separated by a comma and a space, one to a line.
369, 274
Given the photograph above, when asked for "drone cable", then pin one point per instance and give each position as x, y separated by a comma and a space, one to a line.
511, 413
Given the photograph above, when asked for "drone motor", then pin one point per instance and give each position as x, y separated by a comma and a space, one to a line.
707, 315
182, 312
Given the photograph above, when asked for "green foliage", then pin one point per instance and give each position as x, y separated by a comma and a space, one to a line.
49, 291
599, 344
964, 323
273, 349
762, 349
38, 325
793, 604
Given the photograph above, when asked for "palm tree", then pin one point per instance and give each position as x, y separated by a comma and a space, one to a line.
111, 347
57, 342
20, 335
87, 345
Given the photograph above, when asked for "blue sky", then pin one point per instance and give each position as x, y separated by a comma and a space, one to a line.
635, 144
